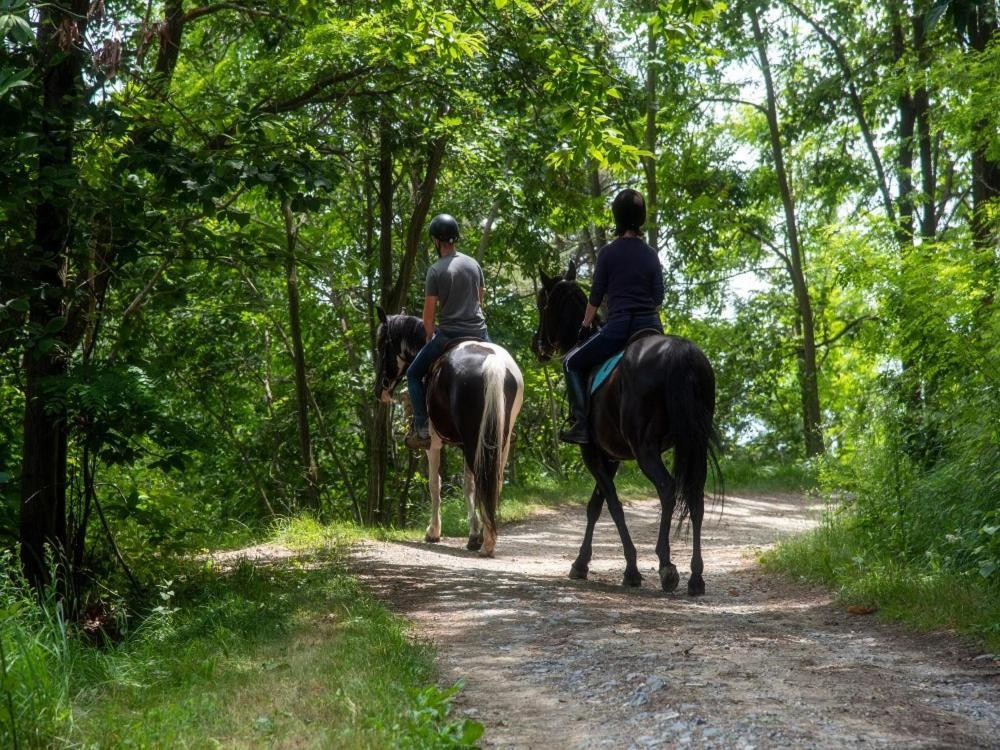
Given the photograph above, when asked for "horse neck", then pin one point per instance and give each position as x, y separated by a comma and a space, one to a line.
570, 318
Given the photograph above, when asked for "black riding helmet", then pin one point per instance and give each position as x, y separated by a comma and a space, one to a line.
629, 210
444, 227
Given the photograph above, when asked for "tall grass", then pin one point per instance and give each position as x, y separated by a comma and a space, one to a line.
35, 663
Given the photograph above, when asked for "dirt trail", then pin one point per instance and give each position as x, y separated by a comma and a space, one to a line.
756, 662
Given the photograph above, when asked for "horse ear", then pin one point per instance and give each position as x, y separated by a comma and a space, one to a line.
546, 279
381, 315
571, 271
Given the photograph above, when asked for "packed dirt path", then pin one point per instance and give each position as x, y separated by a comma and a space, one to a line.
756, 662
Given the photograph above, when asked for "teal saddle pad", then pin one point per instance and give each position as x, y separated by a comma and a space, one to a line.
604, 372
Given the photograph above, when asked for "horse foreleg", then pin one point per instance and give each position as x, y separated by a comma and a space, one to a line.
604, 472
652, 466
581, 565
475, 527
434, 485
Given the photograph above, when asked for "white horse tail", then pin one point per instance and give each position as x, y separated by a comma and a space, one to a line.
490, 444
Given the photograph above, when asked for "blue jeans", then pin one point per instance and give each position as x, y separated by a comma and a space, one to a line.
418, 370
607, 342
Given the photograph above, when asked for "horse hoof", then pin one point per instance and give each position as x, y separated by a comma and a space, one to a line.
485, 553
632, 579
669, 578
431, 539
696, 587
578, 573
475, 542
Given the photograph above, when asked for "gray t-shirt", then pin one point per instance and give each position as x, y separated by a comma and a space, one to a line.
455, 280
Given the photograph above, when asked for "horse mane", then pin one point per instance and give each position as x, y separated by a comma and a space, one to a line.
408, 331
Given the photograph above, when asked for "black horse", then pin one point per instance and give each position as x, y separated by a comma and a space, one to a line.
661, 396
474, 394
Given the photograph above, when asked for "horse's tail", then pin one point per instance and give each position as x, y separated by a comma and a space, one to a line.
691, 405
488, 464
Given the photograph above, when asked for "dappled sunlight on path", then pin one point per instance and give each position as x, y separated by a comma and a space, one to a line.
551, 662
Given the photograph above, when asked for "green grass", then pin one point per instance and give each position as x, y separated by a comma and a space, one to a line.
292, 654
520, 502
745, 475
922, 598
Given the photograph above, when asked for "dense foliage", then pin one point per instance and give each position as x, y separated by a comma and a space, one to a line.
204, 204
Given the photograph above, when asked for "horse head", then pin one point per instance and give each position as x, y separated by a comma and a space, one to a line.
561, 305
397, 341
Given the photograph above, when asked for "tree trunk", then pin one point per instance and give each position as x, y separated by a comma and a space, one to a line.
985, 174
812, 424
905, 128
649, 162
309, 469
43, 473
380, 427
922, 107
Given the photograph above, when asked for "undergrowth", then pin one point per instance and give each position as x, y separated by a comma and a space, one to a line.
286, 654
914, 528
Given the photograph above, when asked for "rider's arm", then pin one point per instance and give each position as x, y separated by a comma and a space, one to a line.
588, 317
482, 293
430, 305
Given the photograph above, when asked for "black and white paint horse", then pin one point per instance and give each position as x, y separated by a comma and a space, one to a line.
661, 396
474, 394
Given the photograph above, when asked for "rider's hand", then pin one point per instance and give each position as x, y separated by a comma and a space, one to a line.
584, 333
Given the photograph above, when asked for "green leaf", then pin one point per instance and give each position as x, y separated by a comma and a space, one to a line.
55, 325
471, 731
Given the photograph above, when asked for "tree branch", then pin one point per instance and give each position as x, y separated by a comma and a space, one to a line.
206, 10
847, 329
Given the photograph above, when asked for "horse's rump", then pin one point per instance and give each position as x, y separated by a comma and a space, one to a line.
663, 388
455, 389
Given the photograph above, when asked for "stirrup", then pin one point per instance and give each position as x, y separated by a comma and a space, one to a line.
576, 433
418, 438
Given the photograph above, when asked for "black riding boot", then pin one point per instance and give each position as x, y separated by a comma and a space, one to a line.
577, 431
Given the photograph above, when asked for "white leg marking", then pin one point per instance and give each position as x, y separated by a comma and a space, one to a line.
469, 487
434, 484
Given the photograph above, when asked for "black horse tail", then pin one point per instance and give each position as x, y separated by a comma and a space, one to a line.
488, 465
697, 445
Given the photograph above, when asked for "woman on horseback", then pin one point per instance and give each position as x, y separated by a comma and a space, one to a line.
455, 282
628, 271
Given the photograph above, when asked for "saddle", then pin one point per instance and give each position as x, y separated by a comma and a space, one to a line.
600, 375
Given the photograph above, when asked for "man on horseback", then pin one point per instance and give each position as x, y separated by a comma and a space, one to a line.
628, 271
455, 283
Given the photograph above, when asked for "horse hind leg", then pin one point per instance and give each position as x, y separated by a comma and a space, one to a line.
666, 488
475, 527
433, 533
696, 583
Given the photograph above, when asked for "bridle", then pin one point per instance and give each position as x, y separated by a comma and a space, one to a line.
545, 346
384, 382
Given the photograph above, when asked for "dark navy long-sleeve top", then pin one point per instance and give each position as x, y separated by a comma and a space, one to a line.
629, 273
